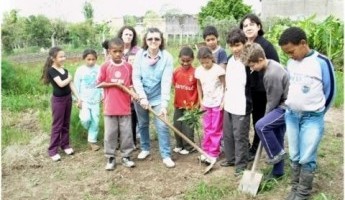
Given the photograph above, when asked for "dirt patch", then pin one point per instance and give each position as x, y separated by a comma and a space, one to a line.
28, 173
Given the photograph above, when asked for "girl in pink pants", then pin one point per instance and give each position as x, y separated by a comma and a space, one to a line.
211, 81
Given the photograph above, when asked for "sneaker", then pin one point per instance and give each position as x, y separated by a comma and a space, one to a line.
69, 151
202, 158
110, 164
126, 161
168, 162
94, 147
227, 164
56, 157
277, 158
177, 149
184, 152
239, 171
143, 154
211, 160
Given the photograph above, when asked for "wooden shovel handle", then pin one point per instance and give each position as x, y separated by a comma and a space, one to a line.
257, 157
134, 95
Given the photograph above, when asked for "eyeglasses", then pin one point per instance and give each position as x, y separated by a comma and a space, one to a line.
155, 39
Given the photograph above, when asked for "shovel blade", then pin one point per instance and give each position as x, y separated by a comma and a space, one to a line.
250, 182
209, 168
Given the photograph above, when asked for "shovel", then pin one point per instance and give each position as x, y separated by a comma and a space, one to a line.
134, 95
250, 181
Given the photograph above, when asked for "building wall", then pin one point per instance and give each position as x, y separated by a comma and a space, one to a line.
297, 9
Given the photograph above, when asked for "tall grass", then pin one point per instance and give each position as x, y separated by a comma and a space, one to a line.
339, 98
22, 91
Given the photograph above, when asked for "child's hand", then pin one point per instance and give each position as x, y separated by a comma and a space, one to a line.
221, 105
144, 103
135, 97
79, 104
163, 113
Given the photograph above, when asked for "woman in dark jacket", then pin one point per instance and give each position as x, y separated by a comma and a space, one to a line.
252, 28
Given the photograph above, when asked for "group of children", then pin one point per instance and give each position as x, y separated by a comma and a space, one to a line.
297, 97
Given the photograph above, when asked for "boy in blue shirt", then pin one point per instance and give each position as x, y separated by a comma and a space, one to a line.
311, 91
210, 36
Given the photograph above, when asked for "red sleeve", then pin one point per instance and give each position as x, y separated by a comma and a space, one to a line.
101, 75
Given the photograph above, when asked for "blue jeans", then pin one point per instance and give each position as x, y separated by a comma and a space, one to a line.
304, 131
271, 131
161, 127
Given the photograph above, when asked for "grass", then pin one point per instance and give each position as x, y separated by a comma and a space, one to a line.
12, 135
206, 191
339, 98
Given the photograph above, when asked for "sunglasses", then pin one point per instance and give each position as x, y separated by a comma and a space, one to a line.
155, 39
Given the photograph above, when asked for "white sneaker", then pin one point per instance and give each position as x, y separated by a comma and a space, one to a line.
56, 157
184, 152
177, 149
211, 160
110, 164
126, 161
168, 162
202, 158
69, 151
143, 154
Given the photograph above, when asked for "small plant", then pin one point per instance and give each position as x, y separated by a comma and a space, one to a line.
192, 117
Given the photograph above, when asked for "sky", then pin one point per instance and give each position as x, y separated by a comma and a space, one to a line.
71, 10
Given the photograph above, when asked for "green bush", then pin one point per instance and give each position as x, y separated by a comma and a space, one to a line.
326, 37
8, 77
339, 98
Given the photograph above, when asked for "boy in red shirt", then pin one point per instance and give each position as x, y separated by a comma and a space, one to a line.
186, 96
117, 105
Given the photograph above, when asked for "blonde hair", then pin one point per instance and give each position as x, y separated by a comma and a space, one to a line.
252, 53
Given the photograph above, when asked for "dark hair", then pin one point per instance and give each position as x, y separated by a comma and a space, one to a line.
186, 51
134, 40
210, 30
292, 35
89, 51
236, 35
205, 52
115, 41
49, 62
153, 30
105, 44
253, 18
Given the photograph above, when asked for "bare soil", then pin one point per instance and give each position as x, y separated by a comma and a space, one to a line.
28, 172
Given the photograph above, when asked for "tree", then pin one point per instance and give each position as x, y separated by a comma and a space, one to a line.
39, 30
223, 26
151, 18
60, 33
223, 9
88, 11
130, 20
82, 34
